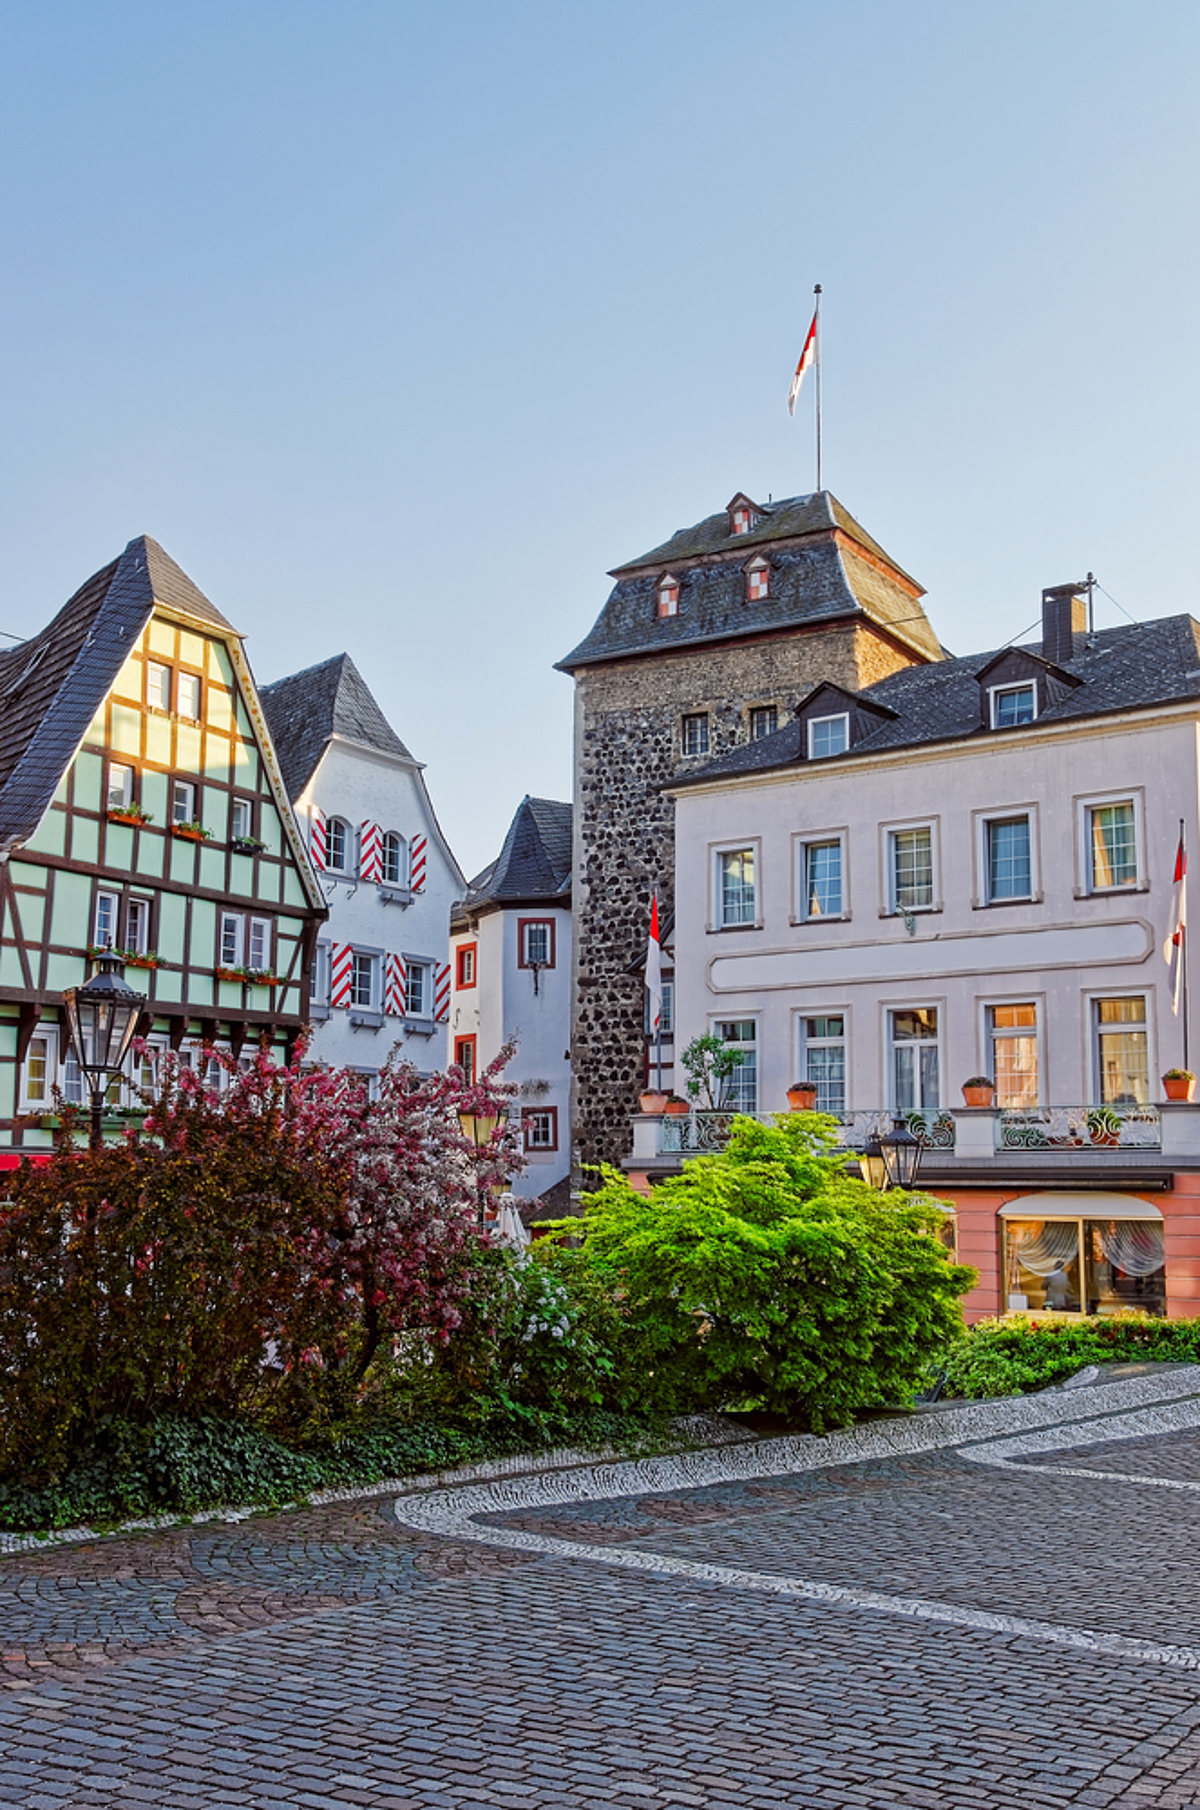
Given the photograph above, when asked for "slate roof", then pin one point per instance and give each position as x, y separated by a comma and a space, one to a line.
305, 711
52, 685
1135, 667
534, 866
823, 566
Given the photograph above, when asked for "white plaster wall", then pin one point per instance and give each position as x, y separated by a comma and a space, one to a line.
362, 785
965, 954
503, 1005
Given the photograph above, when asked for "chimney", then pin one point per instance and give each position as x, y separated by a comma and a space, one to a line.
1064, 616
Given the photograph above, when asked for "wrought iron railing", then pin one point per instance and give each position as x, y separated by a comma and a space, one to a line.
692, 1133
1078, 1128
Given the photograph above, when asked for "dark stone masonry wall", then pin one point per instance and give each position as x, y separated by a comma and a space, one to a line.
627, 747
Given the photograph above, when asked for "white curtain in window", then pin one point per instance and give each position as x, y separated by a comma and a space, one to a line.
1044, 1247
1132, 1245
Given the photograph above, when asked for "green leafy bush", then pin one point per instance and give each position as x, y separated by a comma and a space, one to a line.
1019, 1355
767, 1276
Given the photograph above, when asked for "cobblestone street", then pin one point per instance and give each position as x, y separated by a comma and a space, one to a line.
938, 1628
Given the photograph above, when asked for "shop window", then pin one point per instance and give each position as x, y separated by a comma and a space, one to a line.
1094, 1266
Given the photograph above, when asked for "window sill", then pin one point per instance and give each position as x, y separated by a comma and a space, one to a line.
318, 1014
1112, 892
1033, 898
840, 917
731, 929
394, 895
419, 1027
909, 911
361, 1019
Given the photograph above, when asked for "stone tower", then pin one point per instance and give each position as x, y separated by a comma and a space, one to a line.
704, 642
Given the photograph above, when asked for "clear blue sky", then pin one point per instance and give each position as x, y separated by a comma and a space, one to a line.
398, 325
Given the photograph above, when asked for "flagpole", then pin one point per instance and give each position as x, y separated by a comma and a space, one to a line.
817, 293
1183, 953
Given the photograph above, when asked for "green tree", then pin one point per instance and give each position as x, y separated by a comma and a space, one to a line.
768, 1276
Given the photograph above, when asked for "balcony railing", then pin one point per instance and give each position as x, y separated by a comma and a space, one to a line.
700, 1131
1078, 1128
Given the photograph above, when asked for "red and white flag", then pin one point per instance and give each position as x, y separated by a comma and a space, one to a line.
654, 968
1175, 947
806, 358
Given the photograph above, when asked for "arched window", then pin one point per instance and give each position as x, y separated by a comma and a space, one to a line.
393, 859
337, 852
668, 596
758, 580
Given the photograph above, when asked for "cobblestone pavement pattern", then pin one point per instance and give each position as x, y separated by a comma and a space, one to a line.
334, 1656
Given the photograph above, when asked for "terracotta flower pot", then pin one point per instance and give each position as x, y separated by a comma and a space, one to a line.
801, 1097
652, 1102
677, 1109
978, 1096
1179, 1087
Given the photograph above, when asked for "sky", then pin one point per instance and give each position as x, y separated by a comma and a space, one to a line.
399, 326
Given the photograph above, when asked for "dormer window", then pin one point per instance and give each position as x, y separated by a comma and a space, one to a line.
742, 514
741, 521
758, 581
828, 735
1013, 705
668, 596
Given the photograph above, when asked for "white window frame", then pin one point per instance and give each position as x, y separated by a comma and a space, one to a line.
180, 788
231, 934
1091, 1030
346, 832
422, 965
138, 905
837, 716
159, 666
754, 1042
891, 906
318, 984
996, 692
801, 1044
717, 853
1085, 804
47, 1034
987, 1036
800, 846
100, 936
373, 967
529, 1116
241, 807
119, 797
890, 1008
188, 678
401, 875
983, 821
263, 929
695, 716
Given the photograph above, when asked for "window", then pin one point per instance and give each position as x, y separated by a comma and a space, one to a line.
1084, 1265
695, 733
668, 597
183, 802
465, 965
158, 686
241, 819
743, 520
187, 691
393, 859
823, 1060
1009, 859
539, 1124
758, 581
736, 898
233, 928
318, 980
258, 944
914, 1043
107, 920
464, 1057
1122, 1060
338, 844
1013, 704
739, 1092
41, 1069
764, 720
821, 879
1013, 1036
120, 786
910, 865
137, 926
828, 735
363, 989
72, 1078
666, 1020
1112, 844
535, 942
420, 997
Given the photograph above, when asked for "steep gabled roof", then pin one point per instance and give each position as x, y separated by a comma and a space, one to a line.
823, 565
52, 685
306, 710
1138, 666
533, 867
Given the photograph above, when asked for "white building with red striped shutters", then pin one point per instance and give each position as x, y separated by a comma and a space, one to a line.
382, 971
510, 946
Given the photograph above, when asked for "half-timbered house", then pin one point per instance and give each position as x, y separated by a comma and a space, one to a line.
382, 973
142, 806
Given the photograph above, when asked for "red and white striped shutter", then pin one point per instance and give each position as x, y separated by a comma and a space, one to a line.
341, 973
419, 844
395, 997
317, 839
441, 995
370, 851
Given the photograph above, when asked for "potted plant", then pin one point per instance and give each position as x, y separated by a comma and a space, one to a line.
1179, 1083
129, 813
234, 974
246, 845
140, 958
978, 1090
676, 1107
1103, 1126
802, 1096
191, 832
259, 977
708, 1063
652, 1100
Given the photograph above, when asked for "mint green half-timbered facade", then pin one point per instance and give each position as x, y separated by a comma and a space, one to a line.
141, 805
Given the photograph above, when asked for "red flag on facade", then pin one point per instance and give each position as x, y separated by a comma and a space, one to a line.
654, 968
1174, 949
806, 358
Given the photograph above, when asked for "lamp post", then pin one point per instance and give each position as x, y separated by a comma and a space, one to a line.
479, 1127
892, 1161
102, 1016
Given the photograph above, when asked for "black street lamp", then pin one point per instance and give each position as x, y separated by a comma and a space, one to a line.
102, 1017
480, 1128
902, 1153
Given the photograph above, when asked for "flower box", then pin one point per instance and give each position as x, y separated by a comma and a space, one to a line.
246, 845
133, 817
190, 832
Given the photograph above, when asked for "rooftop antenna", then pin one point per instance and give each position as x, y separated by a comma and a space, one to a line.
1090, 585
